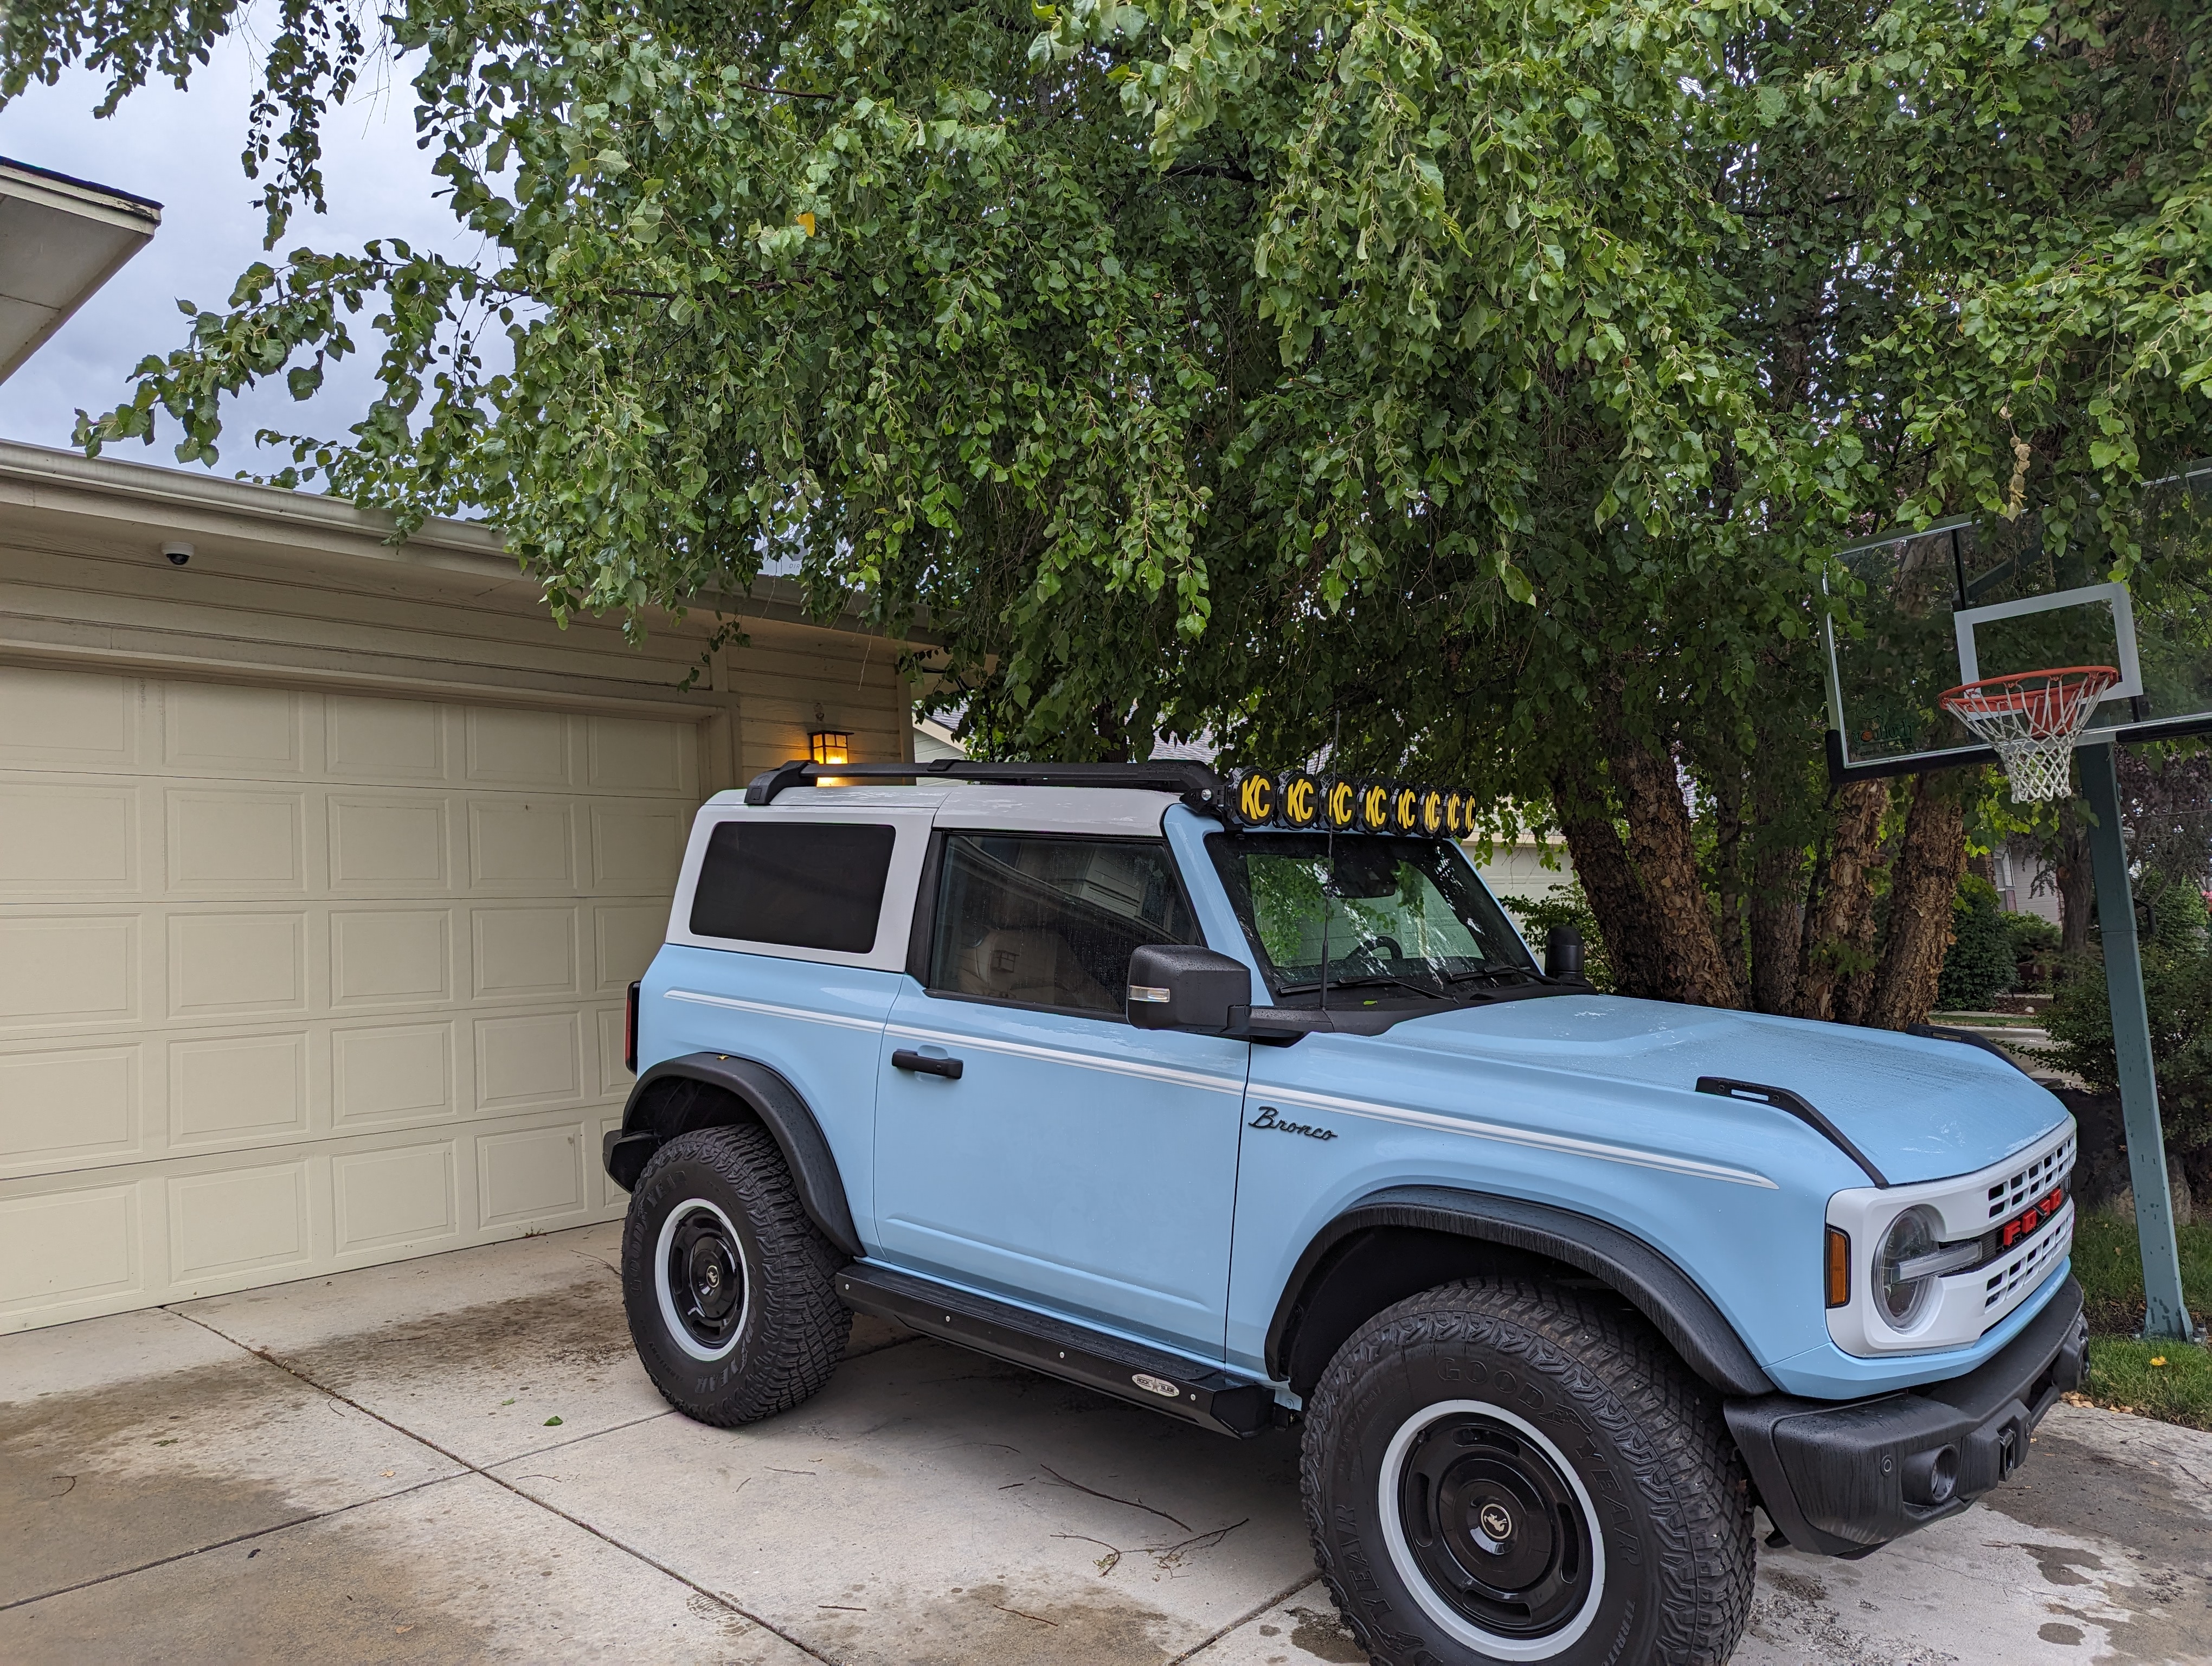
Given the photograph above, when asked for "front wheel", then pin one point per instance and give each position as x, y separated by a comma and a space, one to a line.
1507, 1471
729, 1287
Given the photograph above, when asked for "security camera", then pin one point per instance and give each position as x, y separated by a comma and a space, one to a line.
178, 554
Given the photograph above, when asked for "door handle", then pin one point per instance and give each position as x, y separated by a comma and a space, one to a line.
906, 1059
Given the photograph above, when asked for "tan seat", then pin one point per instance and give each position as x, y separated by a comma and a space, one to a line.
1034, 966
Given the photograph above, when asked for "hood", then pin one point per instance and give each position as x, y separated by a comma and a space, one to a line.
1920, 1107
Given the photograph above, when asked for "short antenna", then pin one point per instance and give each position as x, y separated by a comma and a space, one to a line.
1328, 861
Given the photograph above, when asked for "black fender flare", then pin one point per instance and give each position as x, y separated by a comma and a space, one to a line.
1660, 1290
659, 1110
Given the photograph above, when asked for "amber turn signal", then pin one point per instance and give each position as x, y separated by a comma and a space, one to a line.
1839, 1268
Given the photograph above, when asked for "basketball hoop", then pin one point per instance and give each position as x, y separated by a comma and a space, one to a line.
2031, 718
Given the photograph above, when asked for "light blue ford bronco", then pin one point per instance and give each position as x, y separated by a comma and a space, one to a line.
1244, 1101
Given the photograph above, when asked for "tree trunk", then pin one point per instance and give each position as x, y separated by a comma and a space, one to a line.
2077, 887
1923, 883
1601, 864
1663, 852
1777, 897
1836, 947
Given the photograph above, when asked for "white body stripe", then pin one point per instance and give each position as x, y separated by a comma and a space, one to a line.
1436, 1121
767, 1009
1156, 1073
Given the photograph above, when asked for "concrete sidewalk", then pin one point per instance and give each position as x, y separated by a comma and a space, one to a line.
459, 1459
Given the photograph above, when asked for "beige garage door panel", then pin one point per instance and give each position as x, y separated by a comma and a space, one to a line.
291, 981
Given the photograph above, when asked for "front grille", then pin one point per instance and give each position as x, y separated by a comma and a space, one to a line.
2008, 1197
2032, 1265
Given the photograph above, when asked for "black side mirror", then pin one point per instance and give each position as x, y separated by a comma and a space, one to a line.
1180, 985
1563, 953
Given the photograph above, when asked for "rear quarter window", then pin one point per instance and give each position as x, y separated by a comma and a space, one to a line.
797, 884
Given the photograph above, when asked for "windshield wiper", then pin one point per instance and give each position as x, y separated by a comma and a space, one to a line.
1500, 969
1363, 981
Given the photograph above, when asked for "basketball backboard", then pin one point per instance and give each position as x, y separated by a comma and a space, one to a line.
1968, 599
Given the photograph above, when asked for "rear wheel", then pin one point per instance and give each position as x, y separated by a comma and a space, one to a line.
728, 1287
1506, 1471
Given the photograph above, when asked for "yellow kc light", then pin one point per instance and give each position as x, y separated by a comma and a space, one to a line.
1405, 809
1340, 806
1254, 795
1374, 806
1299, 794
1432, 811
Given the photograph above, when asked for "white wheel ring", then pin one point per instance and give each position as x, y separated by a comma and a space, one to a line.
1409, 1571
669, 1316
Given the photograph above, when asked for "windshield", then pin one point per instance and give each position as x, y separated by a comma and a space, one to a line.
1394, 919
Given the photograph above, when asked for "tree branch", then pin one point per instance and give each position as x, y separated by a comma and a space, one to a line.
1210, 171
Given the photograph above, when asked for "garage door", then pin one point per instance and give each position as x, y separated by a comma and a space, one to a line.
293, 982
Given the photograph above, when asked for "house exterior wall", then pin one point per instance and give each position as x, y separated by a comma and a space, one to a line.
325, 863
1519, 870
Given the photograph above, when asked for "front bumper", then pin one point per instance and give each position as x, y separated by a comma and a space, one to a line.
1843, 1479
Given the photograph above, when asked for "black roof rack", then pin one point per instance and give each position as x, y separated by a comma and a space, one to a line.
1197, 786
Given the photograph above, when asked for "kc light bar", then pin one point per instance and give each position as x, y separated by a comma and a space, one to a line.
1295, 799
1299, 800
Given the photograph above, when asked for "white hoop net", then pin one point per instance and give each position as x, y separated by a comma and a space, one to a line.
2031, 718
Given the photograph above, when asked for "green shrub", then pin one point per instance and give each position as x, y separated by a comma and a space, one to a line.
1570, 905
2177, 965
1979, 962
2036, 957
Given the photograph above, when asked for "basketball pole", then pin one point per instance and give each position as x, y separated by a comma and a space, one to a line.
2165, 1313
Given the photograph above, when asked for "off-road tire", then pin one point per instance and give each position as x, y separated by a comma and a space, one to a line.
788, 1334
1673, 1556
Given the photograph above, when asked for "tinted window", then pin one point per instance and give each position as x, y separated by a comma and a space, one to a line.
804, 885
1051, 922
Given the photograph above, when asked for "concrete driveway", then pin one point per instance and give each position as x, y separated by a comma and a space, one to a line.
459, 1459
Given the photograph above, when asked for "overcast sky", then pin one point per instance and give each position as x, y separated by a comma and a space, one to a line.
182, 150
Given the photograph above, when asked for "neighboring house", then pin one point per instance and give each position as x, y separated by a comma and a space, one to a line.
933, 741
2025, 882
1528, 869
60, 239
325, 863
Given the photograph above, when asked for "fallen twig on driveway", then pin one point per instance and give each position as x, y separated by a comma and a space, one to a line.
1105, 1563
1169, 1555
1110, 1499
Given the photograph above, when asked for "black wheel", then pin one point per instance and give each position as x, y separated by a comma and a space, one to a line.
1508, 1471
729, 1287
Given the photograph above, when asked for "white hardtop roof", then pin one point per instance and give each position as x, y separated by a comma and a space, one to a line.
1111, 812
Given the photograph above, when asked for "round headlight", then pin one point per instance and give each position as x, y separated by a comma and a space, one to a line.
1911, 1237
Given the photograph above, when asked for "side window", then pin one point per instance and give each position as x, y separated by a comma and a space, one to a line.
802, 884
1051, 922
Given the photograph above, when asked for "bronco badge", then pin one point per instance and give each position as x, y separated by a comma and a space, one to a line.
1268, 1119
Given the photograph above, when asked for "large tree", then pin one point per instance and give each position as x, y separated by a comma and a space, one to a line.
1876, 219
1473, 386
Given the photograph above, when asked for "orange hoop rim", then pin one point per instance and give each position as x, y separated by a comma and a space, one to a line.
1999, 694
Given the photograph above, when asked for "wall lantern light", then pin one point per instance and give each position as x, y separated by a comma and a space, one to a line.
830, 746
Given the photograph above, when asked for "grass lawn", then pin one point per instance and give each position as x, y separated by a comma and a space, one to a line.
2168, 1380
